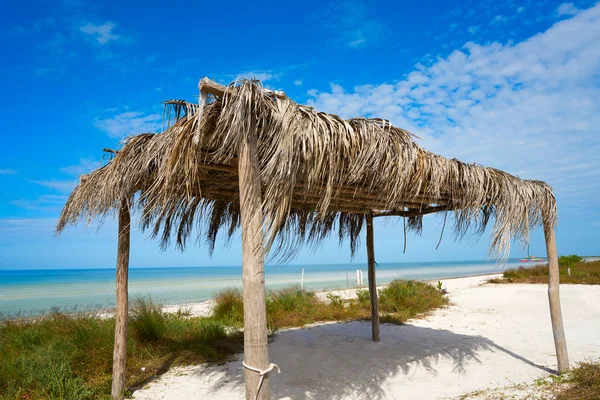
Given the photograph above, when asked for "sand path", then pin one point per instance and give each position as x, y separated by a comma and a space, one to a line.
493, 335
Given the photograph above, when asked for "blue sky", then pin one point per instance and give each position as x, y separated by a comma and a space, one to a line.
513, 85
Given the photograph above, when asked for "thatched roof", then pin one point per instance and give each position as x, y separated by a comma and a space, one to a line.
319, 172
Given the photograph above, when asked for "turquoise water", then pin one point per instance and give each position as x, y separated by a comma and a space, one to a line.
32, 291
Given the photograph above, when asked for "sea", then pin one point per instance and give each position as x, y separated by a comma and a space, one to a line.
30, 292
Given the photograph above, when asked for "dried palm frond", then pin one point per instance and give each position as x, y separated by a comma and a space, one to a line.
318, 173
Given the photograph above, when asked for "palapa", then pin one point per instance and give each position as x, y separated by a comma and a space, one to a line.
318, 174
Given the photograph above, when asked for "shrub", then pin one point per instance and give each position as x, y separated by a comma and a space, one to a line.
335, 301
229, 306
585, 273
363, 297
68, 357
410, 298
57, 381
148, 321
210, 330
569, 261
291, 298
292, 306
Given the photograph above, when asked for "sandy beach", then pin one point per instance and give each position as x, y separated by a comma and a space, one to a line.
491, 336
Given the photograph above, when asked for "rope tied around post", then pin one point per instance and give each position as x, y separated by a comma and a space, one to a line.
262, 374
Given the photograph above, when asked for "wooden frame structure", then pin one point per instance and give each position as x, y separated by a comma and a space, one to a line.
282, 171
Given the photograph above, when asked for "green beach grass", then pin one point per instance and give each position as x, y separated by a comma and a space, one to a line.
585, 273
59, 356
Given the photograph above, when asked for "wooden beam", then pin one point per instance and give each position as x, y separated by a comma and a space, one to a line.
211, 87
207, 86
120, 345
253, 275
410, 213
302, 201
372, 283
560, 342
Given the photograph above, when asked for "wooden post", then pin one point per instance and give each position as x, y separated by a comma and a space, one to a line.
372, 283
554, 298
253, 276
120, 346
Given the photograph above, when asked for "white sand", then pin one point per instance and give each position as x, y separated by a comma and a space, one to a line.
493, 335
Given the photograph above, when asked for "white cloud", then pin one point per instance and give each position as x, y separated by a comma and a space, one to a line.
530, 108
129, 123
298, 82
48, 201
7, 171
18, 30
85, 166
102, 33
567, 9
26, 225
352, 24
261, 75
499, 19
59, 185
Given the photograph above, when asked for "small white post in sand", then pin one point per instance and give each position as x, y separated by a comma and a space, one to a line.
302, 280
359, 278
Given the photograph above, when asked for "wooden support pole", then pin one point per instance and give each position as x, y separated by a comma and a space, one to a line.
120, 346
553, 295
253, 275
372, 283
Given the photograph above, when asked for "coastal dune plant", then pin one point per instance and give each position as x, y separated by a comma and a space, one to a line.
363, 297
69, 356
60, 356
583, 273
148, 322
292, 306
410, 298
569, 261
229, 306
582, 383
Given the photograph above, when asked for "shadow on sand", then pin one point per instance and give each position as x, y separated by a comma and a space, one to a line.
336, 360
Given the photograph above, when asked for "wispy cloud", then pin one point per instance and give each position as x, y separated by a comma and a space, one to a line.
261, 75
503, 105
45, 202
298, 82
103, 33
18, 30
7, 171
353, 24
26, 225
129, 123
499, 19
567, 9
84, 166
60, 185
